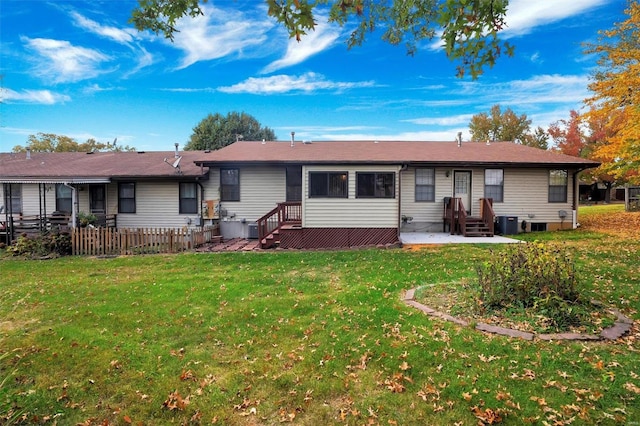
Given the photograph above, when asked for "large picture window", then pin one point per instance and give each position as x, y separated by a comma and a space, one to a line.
328, 184
375, 185
127, 197
64, 198
229, 185
558, 180
425, 184
188, 198
494, 184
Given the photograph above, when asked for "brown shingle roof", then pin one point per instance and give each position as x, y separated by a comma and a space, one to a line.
391, 152
78, 166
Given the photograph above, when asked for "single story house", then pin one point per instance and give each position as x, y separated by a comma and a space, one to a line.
336, 194
121, 189
303, 194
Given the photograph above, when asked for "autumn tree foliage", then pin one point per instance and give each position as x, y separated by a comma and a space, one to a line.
50, 142
615, 103
468, 28
568, 136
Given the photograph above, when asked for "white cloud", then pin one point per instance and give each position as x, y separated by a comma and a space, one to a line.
316, 41
43, 97
525, 15
123, 36
60, 61
426, 135
190, 90
441, 121
217, 34
540, 89
309, 82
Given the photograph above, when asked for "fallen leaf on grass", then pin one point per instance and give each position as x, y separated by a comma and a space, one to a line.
632, 388
175, 401
487, 416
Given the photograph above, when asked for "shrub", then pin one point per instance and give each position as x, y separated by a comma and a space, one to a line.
41, 245
533, 276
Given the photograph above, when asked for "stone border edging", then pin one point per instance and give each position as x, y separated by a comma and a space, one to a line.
621, 326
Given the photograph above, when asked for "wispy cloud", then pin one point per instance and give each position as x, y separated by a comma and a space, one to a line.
425, 135
319, 40
461, 119
189, 89
96, 88
60, 61
123, 36
540, 89
43, 97
308, 83
217, 34
525, 15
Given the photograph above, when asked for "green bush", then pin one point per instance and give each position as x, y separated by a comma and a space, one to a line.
533, 276
41, 245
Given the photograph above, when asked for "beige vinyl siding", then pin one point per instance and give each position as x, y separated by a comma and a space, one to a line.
526, 195
425, 211
156, 207
349, 212
261, 188
31, 200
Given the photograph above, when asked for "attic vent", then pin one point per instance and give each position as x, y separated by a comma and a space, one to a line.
142, 152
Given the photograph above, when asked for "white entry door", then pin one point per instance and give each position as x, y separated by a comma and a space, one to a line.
462, 188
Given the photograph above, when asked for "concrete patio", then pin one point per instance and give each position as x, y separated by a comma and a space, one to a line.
419, 238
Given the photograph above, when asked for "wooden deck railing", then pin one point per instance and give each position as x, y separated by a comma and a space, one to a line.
461, 216
92, 241
487, 213
455, 215
283, 213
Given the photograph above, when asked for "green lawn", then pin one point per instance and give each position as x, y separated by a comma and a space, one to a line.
304, 337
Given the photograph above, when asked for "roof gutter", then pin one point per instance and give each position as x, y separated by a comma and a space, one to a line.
63, 181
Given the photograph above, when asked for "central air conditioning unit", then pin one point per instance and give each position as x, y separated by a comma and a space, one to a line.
253, 231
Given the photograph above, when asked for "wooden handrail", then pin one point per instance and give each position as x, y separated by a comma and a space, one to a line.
283, 213
461, 216
488, 215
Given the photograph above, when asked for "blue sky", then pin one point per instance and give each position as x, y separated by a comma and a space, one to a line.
78, 68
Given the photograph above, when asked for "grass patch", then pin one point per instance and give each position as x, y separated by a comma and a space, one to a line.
302, 337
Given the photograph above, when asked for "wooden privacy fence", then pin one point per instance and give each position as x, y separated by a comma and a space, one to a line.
110, 241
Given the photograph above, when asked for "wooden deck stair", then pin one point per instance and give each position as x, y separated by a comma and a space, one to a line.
476, 227
286, 215
455, 216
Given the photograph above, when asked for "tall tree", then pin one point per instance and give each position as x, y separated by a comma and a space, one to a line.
216, 131
50, 142
616, 96
568, 135
538, 139
499, 126
468, 28
597, 137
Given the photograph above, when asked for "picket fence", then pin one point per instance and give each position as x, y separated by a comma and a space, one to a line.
111, 241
